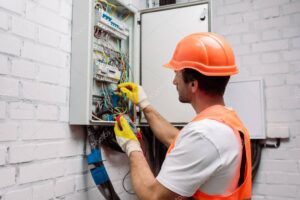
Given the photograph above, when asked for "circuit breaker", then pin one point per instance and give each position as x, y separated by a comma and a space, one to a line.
114, 43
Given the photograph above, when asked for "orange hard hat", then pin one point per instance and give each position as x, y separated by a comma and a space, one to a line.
207, 53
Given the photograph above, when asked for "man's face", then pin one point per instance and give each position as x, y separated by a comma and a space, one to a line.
182, 87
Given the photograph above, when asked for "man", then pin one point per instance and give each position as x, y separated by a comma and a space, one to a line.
209, 159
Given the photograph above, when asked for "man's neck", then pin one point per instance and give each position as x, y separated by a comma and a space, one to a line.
204, 101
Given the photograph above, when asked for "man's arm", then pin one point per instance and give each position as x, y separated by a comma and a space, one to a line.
161, 128
145, 184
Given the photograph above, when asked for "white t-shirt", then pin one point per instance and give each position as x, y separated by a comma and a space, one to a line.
206, 157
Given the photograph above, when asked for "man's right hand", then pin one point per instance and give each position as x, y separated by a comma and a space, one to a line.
135, 93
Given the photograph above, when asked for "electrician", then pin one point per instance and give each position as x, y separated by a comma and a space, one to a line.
210, 158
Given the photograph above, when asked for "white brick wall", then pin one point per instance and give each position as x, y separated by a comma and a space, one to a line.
35, 38
41, 158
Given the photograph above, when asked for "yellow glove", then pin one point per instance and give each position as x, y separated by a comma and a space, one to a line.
135, 93
126, 137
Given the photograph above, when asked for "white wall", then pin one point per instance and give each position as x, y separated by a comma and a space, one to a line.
265, 35
41, 156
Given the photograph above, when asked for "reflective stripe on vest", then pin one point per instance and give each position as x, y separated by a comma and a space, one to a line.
228, 117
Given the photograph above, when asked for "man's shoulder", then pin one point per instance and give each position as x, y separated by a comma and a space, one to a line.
217, 133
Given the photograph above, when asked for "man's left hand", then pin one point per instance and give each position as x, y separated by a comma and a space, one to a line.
126, 137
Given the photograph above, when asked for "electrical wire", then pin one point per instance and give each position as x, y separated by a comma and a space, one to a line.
123, 184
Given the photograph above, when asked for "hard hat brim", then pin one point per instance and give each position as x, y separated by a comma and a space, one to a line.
203, 69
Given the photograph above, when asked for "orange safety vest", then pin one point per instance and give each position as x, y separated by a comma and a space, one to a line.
230, 118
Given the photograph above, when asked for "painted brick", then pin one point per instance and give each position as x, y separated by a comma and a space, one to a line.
296, 19
291, 8
3, 151
294, 67
48, 74
8, 131
46, 17
273, 104
75, 165
10, 44
291, 102
251, 37
42, 130
64, 186
291, 55
64, 77
296, 42
23, 68
270, 57
268, 3
64, 114
84, 181
276, 177
278, 92
234, 39
43, 191
251, 59
272, 23
2, 110
4, 67
270, 46
9, 87
46, 150
279, 116
3, 21
66, 10
241, 49
44, 92
65, 43
234, 8
271, 34
21, 110
7, 175
235, 28
277, 190
48, 36
275, 80
43, 54
293, 79
21, 153
90, 194
47, 112
17, 6
53, 5
42, 171
233, 19
274, 68
71, 148
251, 16
291, 32
276, 154
23, 28
270, 12
19, 194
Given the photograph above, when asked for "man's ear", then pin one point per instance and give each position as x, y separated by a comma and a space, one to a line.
194, 86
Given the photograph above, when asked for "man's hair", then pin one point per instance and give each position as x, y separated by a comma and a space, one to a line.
211, 85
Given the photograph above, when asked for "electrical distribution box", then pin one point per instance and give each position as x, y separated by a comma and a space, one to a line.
114, 43
107, 37
102, 57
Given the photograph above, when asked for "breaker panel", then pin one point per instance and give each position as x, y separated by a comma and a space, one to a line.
101, 59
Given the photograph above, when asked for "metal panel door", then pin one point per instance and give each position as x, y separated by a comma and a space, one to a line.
161, 29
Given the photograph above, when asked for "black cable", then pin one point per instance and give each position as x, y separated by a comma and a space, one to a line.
256, 150
123, 184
